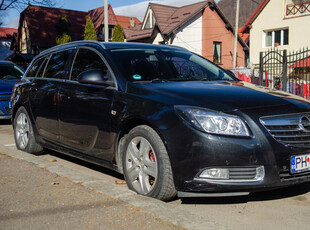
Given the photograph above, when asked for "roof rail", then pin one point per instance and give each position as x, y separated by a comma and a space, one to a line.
71, 44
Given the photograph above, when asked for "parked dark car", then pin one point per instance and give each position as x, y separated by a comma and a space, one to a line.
169, 120
9, 74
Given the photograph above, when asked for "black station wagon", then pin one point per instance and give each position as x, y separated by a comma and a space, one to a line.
171, 121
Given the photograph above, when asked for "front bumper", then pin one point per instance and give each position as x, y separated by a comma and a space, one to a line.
5, 112
192, 151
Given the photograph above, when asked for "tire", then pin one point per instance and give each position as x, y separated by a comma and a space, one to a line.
23, 133
146, 165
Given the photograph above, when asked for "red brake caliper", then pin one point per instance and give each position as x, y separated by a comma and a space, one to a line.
152, 156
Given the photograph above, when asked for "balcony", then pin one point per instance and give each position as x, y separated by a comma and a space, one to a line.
295, 10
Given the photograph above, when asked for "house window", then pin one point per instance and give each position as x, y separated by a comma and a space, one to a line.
276, 38
148, 23
102, 35
269, 39
110, 33
217, 52
285, 37
150, 20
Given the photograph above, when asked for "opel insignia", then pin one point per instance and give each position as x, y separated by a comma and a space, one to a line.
171, 121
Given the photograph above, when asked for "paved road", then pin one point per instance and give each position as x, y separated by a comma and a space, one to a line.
279, 209
33, 198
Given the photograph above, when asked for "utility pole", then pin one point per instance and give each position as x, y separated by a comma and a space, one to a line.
236, 35
106, 21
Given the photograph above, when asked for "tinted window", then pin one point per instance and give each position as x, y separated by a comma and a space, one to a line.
35, 68
42, 68
87, 59
172, 65
57, 64
9, 71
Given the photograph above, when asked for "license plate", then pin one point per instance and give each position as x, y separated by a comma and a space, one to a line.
300, 163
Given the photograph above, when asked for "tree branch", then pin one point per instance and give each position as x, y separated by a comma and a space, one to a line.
21, 4
7, 6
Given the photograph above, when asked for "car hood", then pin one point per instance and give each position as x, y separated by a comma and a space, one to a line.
6, 86
220, 96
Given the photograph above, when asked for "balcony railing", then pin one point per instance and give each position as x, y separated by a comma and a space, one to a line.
298, 9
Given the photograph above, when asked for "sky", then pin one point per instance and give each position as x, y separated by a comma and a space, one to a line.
136, 8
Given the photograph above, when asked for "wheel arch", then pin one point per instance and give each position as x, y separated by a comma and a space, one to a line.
15, 109
128, 125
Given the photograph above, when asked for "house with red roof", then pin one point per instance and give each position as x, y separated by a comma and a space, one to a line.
6, 35
37, 26
281, 24
201, 28
127, 22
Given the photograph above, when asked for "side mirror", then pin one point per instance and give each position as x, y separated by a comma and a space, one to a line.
94, 77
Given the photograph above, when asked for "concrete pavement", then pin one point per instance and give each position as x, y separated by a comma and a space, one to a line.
41, 193
34, 198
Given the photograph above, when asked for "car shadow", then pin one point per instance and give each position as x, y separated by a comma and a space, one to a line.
86, 164
287, 192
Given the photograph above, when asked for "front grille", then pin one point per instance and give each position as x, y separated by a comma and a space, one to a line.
242, 173
291, 130
5, 98
7, 109
287, 176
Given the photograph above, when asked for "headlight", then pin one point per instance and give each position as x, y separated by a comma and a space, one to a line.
213, 122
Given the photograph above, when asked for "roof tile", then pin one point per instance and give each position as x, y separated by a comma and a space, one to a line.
124, 21
97, 15
42, 22
6, 32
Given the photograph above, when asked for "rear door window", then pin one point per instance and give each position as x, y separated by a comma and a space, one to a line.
56, 66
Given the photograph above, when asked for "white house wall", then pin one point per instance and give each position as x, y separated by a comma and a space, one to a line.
189, 35
158, 39
271, 18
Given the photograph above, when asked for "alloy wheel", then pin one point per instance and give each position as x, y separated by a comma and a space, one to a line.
141, 165
22, 130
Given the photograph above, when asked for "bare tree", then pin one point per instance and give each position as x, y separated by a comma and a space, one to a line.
21, 4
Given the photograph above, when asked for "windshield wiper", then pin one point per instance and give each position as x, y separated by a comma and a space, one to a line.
159, 80
204, 79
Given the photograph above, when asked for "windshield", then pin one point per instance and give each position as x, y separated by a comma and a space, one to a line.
10, 72
165, 65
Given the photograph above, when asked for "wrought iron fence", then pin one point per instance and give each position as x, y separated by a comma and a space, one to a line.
289, 72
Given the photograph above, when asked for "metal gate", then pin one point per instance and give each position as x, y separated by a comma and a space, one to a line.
287, 72
272, 69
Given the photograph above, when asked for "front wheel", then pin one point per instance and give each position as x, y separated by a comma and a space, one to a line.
146, 164
23, 133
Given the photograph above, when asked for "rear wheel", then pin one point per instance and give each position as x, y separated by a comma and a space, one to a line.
146, 164
23, 133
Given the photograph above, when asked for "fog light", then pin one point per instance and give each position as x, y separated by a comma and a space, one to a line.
215, 173
260, 173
